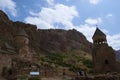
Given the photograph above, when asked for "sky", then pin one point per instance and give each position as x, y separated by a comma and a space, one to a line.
82, 15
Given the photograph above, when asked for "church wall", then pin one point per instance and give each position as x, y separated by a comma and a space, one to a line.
20, 41
118, 66
104, 60
24, 53
5, 61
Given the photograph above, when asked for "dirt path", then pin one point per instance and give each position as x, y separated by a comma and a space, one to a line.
55, 78
51, 79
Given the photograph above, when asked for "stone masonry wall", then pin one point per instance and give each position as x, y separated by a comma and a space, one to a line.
106, 77
5, 61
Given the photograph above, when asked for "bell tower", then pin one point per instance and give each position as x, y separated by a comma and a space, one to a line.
103, 55
99, 38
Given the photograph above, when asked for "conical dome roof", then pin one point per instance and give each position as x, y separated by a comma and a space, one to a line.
98, 33
22, 33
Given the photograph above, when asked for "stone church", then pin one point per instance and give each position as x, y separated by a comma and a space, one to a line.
16, 58
21, 42
103, 55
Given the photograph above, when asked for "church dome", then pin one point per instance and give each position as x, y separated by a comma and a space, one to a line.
22, 33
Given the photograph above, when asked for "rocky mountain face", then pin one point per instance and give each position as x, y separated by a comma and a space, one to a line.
49, 40
52, 49
117, 55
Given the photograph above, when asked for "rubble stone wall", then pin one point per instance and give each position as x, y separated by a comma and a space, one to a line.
110, 77
5, 61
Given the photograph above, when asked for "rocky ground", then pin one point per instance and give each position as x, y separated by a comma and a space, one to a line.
57, 78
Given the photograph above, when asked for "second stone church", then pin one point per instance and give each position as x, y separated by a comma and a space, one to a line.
103, 55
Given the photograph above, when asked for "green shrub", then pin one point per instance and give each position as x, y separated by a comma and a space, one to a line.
74, 69
91, 71
56, 59
88, 63
23, 77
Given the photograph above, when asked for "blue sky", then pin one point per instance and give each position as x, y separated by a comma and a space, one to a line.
82, 15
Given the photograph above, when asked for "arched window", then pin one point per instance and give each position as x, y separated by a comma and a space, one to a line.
10, 72
106, 61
